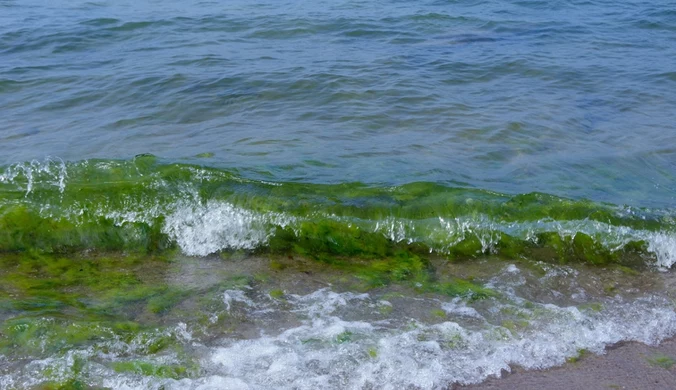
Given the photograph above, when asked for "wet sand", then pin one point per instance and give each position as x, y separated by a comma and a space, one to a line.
627, 365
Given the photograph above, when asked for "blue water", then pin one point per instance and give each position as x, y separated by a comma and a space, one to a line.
573, 98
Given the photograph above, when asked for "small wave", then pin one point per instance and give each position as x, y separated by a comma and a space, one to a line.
54, 205
100, 21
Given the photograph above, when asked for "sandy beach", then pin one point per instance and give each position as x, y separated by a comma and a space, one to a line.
628, 365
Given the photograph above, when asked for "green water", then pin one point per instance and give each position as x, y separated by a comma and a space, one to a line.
145, 206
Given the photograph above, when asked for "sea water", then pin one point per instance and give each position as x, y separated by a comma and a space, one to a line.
331, 194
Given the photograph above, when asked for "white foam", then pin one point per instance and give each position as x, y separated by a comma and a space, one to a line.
324, 302
204, 229
230, 296
457, 307
428, 356
663, 245
27, 175
220, 383
328, 347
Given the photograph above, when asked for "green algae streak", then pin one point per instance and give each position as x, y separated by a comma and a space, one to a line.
145, 206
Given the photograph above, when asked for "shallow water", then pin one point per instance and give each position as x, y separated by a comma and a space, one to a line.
252, 323
332, 194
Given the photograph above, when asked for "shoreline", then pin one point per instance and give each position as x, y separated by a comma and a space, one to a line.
626, 365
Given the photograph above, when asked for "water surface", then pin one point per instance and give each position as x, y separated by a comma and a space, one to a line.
574, 98
331, 194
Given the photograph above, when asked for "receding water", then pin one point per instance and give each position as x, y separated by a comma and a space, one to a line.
331, 194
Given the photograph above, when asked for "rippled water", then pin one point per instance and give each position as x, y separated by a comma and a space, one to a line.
331, 194
574, 98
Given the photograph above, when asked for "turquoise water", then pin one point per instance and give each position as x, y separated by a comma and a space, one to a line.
331, 194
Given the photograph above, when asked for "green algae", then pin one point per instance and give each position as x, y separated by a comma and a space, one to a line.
401, 268
89, 285
454, 341
72, 380
581, 354
74, 375
582, 248
113, 205
329, 238
145, 368
70, 384
385, 310
593, 306
663, 361
324, 239
515, 326
40, 336
276, 294
344, 337
76, 309
627, 270
459, 288
277, 266
55, 304
25, 229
